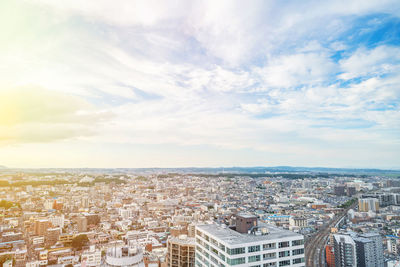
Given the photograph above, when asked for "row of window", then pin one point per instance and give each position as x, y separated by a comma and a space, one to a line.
294, 261
242, 261
257, 248
270, 264
251, 248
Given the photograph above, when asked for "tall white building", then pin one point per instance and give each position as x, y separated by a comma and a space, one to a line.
345, 251
248, 243
358, 250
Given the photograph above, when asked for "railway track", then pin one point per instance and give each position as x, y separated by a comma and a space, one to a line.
315, 246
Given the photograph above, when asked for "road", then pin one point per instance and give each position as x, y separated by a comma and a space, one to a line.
315, 246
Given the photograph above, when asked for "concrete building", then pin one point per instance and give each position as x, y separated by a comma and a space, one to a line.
300, 222
377, 249
364, 250
91, 257
351, 191
124, 256
339, 190
345, 251
82, 224
256, 245
181, 251
41, 226
391, 242
52, 235
368, 204
330, 256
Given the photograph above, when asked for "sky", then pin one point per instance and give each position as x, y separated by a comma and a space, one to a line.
126, 83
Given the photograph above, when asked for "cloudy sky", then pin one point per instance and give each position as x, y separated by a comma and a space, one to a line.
199, 83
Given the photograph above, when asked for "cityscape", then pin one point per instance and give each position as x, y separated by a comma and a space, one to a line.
153, 218
199, 133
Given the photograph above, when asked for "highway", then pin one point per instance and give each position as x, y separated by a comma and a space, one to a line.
315, 245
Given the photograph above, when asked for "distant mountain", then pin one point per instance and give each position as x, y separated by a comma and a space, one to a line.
219, 170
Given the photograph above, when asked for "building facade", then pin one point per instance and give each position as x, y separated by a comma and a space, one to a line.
345, 251
181, 251
259, 246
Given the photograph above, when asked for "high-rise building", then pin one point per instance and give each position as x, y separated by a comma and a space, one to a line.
92, 219
82, 224
392, 244
255, 244
368, 204
339, 190
41, 226
181, 251
377, 249
345, 251
387, 200
364, 250
52, 235
351, 191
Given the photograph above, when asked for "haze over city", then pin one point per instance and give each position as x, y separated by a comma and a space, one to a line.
199, 83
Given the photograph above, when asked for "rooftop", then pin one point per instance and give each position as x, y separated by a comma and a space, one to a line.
232, 237
183, 240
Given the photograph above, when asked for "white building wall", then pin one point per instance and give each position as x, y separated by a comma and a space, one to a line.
212, 260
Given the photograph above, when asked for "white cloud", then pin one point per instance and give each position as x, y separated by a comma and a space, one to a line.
378, 61
226, 74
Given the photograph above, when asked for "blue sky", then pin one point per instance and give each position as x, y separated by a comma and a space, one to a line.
200, 83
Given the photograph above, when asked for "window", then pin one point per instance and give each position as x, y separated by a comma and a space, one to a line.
271, 264
222, 247
298, 251
198, 256
297, 242
235, 251
299, 260
254, 248
268, 256
269, 246
254, 258
284, 263
284, 244
213, 250
236, 261
283, 254
206, 237
214, 260
198, 233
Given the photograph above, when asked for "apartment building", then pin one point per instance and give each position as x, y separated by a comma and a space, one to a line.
248, 243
